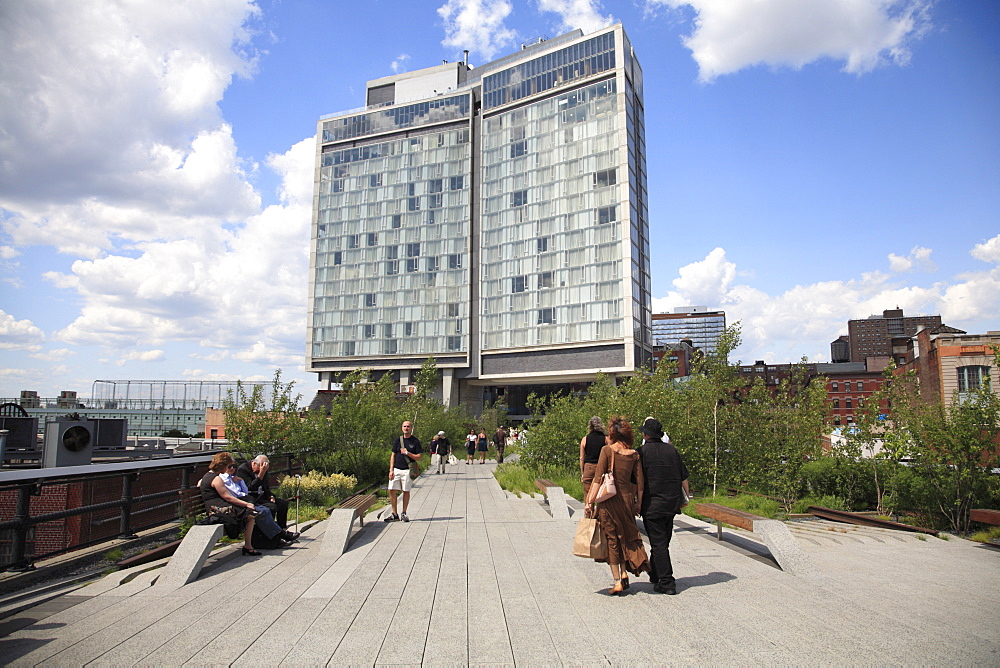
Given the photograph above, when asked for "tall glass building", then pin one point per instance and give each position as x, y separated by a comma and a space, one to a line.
697, 324
494, 218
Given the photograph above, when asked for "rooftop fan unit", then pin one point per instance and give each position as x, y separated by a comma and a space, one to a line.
69, 443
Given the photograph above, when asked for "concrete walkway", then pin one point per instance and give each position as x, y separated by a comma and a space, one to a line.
481, 578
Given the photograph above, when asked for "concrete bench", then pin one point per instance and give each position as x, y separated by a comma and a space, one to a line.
189, 558
338, 527
776, 536
555, 497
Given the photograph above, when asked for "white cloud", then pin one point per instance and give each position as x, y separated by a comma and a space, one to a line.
919, 259
139, 356
55, 355
988, 251
806, 318
584, 14
399, 63
8, 252
477, 25
142, 152
730, 35
19, 334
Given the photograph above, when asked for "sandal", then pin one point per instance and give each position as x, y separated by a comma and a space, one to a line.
250, 552
624, 583
617, 589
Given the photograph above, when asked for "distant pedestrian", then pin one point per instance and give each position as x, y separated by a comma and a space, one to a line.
666, 492
441, 446
482, 444
590, 451
405, 449
470, 446
500, 442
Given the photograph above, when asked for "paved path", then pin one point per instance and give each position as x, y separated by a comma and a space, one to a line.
481, 578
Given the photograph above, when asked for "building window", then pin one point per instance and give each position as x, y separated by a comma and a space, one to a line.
387, 330
453, 310
546, 316
391, 267
372, 239
518, 148
389, 347
543, 244
970, 378
454, 343
607, 177
517, 284
348, 348
338, 257
847, 386
397, 221
369, 331
408, 329
413, 204
457, 182
375, 180
545, 279
370, 300
519, 198
455, 261
433, 263
411, 264
353, 240
607, 214
847, 403
836, 403
836, 387
413, 250
435, 185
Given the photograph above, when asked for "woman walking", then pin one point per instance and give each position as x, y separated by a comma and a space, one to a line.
470, 445
590, 451
616, 515
483, 446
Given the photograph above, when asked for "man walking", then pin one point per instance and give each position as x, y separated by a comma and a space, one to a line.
500, 442
405, 449
442, 448
666, 492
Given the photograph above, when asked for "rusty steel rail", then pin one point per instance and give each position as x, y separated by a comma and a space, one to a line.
865, 520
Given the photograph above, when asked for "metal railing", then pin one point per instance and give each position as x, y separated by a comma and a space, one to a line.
46, 512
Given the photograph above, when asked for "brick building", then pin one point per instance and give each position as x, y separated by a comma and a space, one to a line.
872, 336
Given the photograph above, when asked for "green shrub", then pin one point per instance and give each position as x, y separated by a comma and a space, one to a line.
317, 488
114, 555
990, 535
520, 479
746, 502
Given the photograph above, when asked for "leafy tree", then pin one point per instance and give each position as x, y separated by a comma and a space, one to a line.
257, 426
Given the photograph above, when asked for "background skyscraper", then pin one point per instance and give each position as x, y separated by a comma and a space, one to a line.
493, 217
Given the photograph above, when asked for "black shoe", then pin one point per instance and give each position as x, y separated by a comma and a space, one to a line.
670, 591
392, 518
405, 518
290, 536
250, 552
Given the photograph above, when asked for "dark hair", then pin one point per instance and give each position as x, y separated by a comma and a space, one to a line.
620, 431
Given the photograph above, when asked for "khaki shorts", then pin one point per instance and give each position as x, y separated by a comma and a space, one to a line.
400, 480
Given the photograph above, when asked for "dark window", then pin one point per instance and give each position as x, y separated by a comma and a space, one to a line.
518, 148
517, 284
607, 177
545, 279
847, 403
413, 204
433, 263
452, 310
457, 182
392, 252
348, 348
413, 249
397, 221
546, 316
389, 347
372, 239
435, 185
607, 214
369, 331
411, 264
836, 387
408, 329
519, 198
338, 257
387, 330
435, 201
543, 244
353, 240
370, 299
454, 343
391, 267
455, 261
970, 378
375, 180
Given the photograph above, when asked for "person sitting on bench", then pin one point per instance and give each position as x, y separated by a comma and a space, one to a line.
254, 473
239, 489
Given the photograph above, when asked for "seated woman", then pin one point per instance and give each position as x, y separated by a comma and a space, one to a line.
265, 517
220, 501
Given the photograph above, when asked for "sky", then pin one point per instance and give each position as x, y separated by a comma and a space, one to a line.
809, 162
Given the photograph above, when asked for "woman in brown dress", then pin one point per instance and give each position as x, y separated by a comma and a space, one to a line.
616, 516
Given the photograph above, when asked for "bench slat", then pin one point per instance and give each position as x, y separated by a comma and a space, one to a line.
737, 518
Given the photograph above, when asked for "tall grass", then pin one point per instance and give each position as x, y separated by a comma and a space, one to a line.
520, 479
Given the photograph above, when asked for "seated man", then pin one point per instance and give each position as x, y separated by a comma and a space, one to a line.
255, 473
265, 518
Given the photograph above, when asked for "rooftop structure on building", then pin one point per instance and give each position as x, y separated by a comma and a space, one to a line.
873, 336
698, 325
494, 218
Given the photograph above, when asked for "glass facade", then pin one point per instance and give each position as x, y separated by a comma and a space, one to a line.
703, 329
507, 215
551, 269
392, 247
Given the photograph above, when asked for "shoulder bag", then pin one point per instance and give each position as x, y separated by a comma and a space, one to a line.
607, 488
414, 466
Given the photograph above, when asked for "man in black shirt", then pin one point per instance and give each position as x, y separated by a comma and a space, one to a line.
405, 449
666, 492
500, 442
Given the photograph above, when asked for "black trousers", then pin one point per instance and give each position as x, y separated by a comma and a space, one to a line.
279, 509
500, 454
659, 529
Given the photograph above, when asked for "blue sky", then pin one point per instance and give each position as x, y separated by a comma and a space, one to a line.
810, 161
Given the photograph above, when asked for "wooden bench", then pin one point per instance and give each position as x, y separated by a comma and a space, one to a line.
720, 513
359, 502
775, 534
542, 484
985, 516
555, 497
